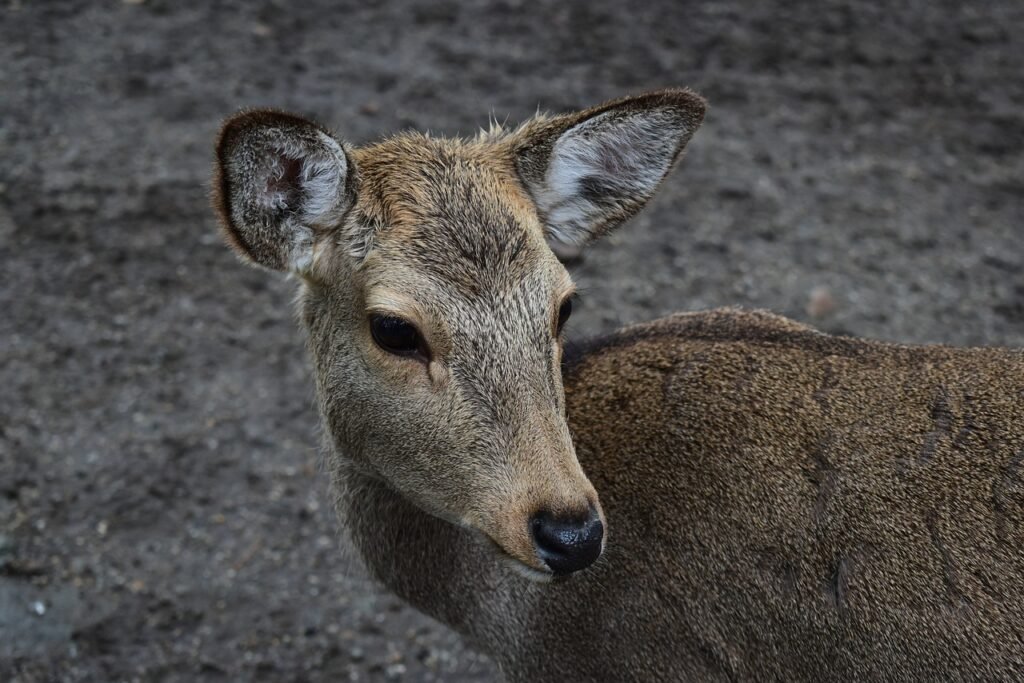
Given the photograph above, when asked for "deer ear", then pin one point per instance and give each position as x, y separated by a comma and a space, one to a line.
282, 182
589, 171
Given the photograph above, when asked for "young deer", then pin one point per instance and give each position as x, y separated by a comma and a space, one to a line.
779, 504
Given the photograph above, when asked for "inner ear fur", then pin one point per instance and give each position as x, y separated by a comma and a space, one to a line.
581, 191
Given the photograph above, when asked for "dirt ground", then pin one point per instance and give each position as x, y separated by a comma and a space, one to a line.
163, 514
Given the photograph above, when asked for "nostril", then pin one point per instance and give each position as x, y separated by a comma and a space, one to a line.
567, 545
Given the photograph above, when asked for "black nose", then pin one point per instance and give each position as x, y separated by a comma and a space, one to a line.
568, 544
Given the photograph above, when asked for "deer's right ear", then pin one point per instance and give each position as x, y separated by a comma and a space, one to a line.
282, 182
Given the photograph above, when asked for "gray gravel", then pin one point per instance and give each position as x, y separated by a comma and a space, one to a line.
163, 514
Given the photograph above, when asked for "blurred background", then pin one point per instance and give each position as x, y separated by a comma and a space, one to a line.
163, 514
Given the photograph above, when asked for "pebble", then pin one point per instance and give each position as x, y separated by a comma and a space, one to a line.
6, 546
820, 302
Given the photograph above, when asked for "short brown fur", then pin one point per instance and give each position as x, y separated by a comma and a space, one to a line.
781, 504
784, 504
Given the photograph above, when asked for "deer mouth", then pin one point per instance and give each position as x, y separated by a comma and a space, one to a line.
525, 570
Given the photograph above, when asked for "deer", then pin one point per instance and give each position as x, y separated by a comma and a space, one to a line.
715, 495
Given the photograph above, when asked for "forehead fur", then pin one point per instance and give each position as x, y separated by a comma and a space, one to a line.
454, 209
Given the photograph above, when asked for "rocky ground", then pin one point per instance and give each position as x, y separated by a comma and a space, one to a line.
163, 516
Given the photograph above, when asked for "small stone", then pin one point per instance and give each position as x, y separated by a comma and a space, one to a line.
734, 190
7, 227
6, 545
820, 302
38, 608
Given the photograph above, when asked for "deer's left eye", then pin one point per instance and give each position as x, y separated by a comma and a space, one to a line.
564, 311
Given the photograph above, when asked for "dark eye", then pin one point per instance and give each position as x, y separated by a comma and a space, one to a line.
564, 311
397, 336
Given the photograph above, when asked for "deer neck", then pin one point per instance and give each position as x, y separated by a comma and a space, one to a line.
441, 569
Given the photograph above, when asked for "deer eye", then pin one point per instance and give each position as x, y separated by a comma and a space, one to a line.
564, 311
397, 336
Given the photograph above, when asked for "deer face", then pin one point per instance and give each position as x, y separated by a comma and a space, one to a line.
434, 305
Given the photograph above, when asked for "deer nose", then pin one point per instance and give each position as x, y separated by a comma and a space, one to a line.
567, 545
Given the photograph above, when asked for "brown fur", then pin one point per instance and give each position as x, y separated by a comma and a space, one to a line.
780, 504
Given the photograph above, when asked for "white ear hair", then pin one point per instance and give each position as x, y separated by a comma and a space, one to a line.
604, 168
317, 196
322, 182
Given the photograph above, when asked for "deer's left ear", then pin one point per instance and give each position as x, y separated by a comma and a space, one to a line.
591, 170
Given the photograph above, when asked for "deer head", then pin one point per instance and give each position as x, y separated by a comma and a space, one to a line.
434, 305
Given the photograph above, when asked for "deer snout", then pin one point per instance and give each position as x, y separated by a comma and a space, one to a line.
567, 544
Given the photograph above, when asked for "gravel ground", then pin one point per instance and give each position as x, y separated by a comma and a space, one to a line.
163, 514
